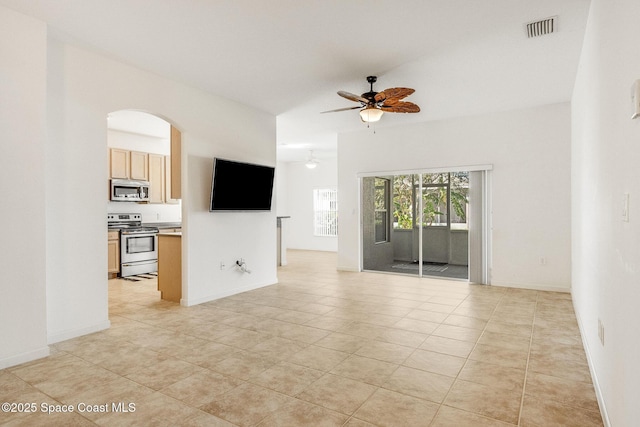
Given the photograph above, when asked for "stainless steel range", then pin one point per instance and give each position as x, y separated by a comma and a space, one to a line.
138, 244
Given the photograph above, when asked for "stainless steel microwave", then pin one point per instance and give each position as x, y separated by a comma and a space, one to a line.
126, 190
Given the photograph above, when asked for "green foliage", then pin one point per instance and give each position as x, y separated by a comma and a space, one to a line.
434, 198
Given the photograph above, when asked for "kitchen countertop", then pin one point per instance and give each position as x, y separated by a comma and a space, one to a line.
163, 224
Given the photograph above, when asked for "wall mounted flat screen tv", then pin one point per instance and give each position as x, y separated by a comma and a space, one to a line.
239, 186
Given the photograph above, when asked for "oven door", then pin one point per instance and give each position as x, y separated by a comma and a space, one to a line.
138, 247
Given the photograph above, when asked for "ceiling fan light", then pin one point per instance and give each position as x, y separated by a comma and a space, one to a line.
371, 114
311, 164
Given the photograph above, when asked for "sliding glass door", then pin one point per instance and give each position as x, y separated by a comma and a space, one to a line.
419, 224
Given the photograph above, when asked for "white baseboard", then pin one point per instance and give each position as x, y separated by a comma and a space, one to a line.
594, 376
21, 358
74, 333
348, 269
533, 287
227, 293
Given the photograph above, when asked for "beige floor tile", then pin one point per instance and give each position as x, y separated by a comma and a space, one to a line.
370, 371
567, 392
506, 341
388, 408
458, 333
152, 409
164, 373
502, 326
500, 356
465, 321
319, 358
548, 365
452, 417
438, 363
490, 401
338, 393
415, 325
287, 378
201, 387
243, 365
418, 383
539, 412
322, 348
385, 351
493, 375
448, 346
342, 342
427, 316
247, 404
303, 414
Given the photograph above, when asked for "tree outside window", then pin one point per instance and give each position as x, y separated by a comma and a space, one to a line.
444, 200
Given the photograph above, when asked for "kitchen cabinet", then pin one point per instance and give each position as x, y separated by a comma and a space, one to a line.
156, 178
170, 266
169, 230
125, 164
176, 164
113, 250
119, 163
139, 166
168, 198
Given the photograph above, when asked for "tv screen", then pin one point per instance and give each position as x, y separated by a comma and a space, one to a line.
239, 186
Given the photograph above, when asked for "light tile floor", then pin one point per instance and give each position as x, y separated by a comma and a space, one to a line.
321, 348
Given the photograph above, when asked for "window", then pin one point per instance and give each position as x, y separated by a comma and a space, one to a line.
444, 200
381, 210
325, 208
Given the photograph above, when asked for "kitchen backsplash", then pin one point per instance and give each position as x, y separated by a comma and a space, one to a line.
150, 212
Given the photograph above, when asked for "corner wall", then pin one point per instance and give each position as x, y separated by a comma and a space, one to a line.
23, 328
54, 101
605, 167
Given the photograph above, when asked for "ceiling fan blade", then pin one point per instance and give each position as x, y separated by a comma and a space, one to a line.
341, 109
353, 97
396, 93
401, 107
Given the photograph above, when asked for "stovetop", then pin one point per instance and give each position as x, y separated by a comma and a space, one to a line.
128, 223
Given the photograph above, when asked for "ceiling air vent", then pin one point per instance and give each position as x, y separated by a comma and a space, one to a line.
542, 27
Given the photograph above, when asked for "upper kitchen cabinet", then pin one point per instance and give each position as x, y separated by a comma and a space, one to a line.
175, 166
119, 163
127, 164
139, 166
156, 178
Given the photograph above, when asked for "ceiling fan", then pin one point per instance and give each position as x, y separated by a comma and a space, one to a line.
374, 104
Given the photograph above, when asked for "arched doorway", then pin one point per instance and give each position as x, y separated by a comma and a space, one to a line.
144, 198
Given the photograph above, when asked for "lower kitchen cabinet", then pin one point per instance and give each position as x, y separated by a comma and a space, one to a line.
113, 249
170, 266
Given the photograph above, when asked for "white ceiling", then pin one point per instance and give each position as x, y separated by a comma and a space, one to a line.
290, 57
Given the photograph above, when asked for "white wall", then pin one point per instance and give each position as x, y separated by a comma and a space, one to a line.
55, 100
298, 183
23, 329
88, 87
530, 153
605, 165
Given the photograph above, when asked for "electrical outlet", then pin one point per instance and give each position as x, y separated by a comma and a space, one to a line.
601, 331
543, 260
625, 207
222, 265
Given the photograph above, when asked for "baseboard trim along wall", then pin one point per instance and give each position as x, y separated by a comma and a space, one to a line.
24, 357
594, 376
74, 333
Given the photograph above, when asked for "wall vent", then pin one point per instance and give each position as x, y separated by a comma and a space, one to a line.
542, 27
